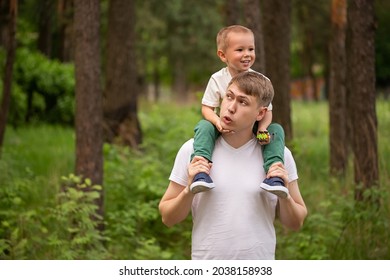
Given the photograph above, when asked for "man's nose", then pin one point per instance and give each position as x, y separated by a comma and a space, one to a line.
232, 107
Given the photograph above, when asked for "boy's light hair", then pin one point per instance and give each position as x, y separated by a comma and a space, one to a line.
255, 84
222, 36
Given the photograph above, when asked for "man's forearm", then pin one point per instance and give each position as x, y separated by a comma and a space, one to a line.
174, 210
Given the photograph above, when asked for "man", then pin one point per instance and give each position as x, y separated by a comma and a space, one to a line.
235, 220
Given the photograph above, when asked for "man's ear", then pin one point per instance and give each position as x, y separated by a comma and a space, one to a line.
221, 55
261, 114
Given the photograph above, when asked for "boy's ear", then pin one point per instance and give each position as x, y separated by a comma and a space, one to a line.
221, 55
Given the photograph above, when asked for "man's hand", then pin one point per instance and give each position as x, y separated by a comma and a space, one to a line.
197, 165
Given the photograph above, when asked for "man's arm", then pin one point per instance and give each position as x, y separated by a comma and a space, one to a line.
175, 204
292, 210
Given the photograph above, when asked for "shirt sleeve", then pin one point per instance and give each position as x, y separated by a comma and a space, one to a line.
290, 165
211, 95
179, 173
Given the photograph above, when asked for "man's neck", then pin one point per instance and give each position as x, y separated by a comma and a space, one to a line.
236, 140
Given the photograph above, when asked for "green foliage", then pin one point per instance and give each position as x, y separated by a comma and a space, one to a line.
50, 85
337, 226
65, 229
135, 182
45, 217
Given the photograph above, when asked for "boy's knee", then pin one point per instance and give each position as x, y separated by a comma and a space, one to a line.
205, 126
275, 128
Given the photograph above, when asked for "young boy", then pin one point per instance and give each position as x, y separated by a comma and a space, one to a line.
236, 48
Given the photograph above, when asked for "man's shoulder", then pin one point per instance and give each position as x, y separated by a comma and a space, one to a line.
187, 148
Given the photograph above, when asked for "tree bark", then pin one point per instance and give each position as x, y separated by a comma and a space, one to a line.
121, 122
232, 12
361, 94
7, 78
89, 140
253, 21
337, 90
46, 11
277, 23
65, 33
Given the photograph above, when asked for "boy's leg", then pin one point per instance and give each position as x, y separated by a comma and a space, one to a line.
272, 153
204, 142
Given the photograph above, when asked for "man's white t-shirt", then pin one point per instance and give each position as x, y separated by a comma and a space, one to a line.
216, 88
235, 219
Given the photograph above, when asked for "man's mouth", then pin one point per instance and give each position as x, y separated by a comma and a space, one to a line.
227, 120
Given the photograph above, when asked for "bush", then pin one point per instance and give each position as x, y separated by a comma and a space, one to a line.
43, 89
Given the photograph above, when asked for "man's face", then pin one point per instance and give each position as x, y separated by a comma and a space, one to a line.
240, 111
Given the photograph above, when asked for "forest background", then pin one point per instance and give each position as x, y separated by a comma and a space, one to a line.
98, 96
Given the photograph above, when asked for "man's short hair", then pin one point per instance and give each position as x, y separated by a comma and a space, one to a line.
255, 84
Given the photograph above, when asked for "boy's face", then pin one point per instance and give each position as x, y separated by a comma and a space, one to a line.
239, 111
240, 53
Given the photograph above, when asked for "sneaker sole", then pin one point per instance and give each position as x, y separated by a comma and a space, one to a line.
199, 187
279, 191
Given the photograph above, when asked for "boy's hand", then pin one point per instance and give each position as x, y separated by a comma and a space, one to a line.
263, 137
220, 128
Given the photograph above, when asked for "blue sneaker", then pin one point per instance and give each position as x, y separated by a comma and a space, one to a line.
276, 186
202, 182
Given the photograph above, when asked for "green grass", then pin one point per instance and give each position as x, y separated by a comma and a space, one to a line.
36, 222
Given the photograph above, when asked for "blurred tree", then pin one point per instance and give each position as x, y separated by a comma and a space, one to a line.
88, 126
313, 29
277, 32
361, 93
232, 12
151, 46
121, 90
65, 30
337, 90
382, 45
253, 21
190, 29
9, 64
45, 24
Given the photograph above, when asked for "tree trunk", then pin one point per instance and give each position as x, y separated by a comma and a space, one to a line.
277, 22
9, 64
337, 90
232, 12
46, 11
253, 21
121, 122
361, 94
65, 34
89, 140
180, 81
